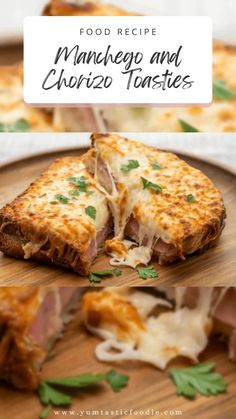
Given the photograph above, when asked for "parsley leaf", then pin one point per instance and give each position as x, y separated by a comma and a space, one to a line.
156, 165
21, 125
91, 212
62, 199
51, 396
222, 91
117, 272
117, 381
80, 182
147, 272
77, 381
97, 276
74, 192
149, 185
48, 394
45, 412
187, 127
190, 198
198, 379
132, 164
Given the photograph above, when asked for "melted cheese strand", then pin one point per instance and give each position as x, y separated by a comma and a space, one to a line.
181, 332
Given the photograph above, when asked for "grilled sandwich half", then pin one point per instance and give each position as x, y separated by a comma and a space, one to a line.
61, 218
166, 207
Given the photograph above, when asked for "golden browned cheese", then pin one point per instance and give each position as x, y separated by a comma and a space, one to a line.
12, 106
50, 219
113, 311
20, 357
168, 214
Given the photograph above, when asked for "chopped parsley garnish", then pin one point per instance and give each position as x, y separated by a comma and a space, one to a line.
147, 272
132, 164
117, 272
116, 381
186, 127
156, 165
149, 185
21, 125
62, 199
222, 91
53, 202
99, 275
198, 379
91, 212
50, 393
80, 182
41, 196
191, 198
74, 192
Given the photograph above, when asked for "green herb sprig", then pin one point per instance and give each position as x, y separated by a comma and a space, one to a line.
99, 275
150, 185
131, 165
58, 391
186, 127
198, 379
147, 272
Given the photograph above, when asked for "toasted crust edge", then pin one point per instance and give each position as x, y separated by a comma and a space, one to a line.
12, 241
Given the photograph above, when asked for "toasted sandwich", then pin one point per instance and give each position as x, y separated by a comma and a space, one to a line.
62, 218
166, 207
31, 320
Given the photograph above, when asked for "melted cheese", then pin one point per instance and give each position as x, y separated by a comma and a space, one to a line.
156, 340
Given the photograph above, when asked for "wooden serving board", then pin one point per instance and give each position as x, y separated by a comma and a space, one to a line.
216, 267
149, 388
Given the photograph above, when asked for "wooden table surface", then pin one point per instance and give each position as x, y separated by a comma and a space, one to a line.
149, 388
216, 267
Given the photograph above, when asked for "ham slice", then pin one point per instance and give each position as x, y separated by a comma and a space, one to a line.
31, 320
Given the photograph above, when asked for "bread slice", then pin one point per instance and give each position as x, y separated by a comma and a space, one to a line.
61, 218
31, 320
167, 207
